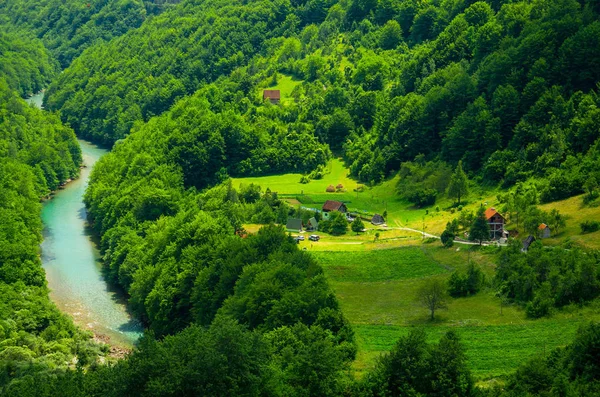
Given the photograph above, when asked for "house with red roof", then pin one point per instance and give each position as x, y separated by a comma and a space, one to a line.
544, 231
274, 96
496, 222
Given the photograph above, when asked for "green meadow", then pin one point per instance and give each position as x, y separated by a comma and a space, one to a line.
377, 290
376, 278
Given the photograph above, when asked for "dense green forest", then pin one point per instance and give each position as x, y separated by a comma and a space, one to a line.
26, 65
36, 154
505, 89
67, 28
509, 88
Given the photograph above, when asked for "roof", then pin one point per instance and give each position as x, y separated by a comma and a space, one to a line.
313, 221
377, 219
331, 205
294, 224
272, 94
543, 226
490, 212
527, 242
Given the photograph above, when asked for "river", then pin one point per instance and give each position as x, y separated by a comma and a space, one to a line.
73, 264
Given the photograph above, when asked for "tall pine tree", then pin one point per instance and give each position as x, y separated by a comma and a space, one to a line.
459, 183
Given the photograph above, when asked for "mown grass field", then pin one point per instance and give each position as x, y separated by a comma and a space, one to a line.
577, 213
377, 289
379, 265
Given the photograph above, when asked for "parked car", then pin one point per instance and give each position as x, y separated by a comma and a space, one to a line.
300, 238
313, 237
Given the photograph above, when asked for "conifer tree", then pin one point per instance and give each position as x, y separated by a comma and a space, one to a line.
459, 184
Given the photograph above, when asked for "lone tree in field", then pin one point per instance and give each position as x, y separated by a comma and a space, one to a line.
432, 295
357, 225
480, 229
459, 184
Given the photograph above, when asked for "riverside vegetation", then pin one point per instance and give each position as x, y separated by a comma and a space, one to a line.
504, 92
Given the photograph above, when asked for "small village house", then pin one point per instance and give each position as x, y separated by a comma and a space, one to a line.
274, 96
294, 225
496, 222
544, 231
331, 205
527, 243
377, 220
312, 225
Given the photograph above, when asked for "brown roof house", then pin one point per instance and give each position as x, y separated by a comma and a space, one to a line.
496, 222
544, 231
331, 205
274, 96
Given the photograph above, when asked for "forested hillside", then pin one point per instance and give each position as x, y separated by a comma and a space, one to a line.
26, 65
509, 88
36, 154
67, 28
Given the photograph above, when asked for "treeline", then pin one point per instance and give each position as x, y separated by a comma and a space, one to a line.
36, 153
25, 64
67, 28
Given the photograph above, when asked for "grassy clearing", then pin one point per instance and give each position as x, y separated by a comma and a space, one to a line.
286, 85
577, 213
378, 265
376, 199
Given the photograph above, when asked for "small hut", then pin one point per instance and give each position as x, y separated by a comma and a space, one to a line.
274, 96
313, 225
294, 225
544, 231
527, 243
377, 220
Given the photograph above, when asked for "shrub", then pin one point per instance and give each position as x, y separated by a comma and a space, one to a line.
589, 226
422, 197
447, 238
304, 179
542, 303
466, 284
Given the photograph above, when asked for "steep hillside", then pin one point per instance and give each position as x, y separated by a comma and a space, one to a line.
509, 88
36, 154
25, 64
67, 28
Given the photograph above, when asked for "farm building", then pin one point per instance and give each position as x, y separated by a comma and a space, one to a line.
527, 242
274, 96
312, 224
496, 222
331, 205
294, 225
544, 231
377, 220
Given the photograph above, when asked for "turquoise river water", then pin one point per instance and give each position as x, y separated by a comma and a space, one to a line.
73, 264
